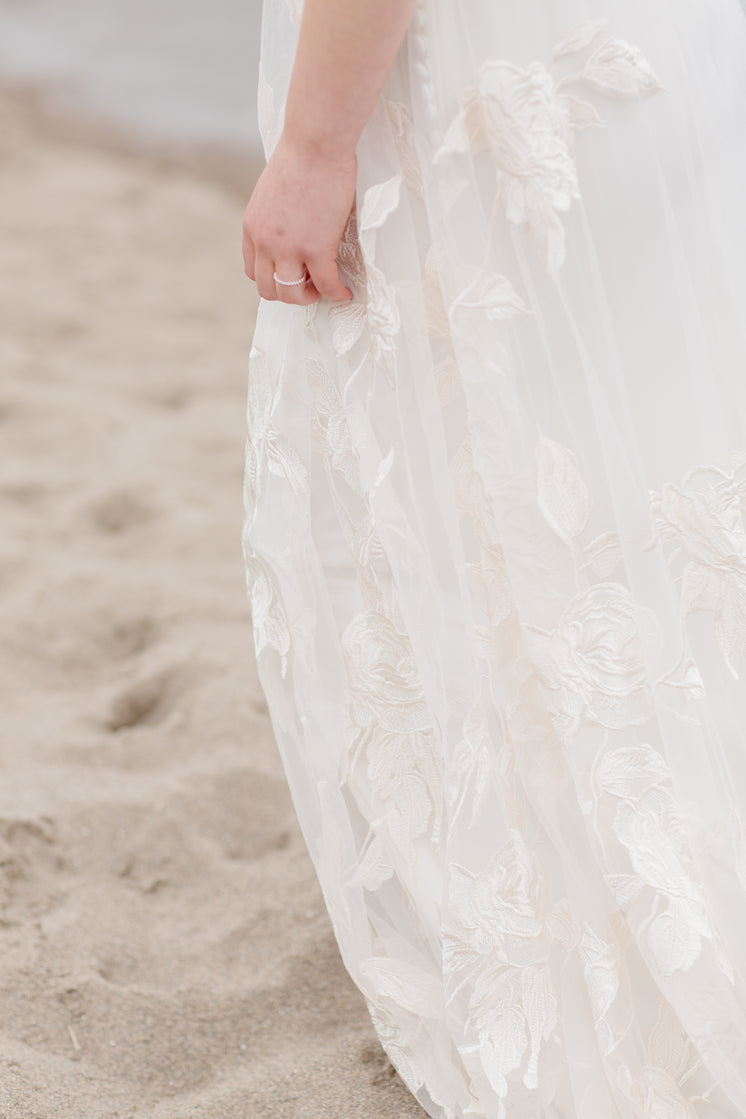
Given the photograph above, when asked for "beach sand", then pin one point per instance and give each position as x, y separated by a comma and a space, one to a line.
164, 947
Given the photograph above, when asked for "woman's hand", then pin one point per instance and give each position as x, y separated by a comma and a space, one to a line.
295, 220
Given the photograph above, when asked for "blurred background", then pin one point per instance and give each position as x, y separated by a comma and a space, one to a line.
165, 951
169, 72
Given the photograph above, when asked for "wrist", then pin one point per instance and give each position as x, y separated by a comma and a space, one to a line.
317, 144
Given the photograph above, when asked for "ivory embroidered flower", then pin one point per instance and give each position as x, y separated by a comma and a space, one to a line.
391, 727
706, 517
496, 949
593, 661
644, 816
373, 313
528, 122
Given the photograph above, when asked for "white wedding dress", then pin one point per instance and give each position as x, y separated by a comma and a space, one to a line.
496, 552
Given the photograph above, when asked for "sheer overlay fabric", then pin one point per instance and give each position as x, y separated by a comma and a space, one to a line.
495, 546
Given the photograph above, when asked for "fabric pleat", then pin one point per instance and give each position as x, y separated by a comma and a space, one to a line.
495, 547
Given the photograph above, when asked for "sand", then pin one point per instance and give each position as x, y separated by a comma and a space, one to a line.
164, 947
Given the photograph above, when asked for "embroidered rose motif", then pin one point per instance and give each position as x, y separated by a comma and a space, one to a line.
373, 313
593, 660
381, 671
517, 114
633, 789
495, 947
709, 525
391, 727
528, 123
705, 516
504, 900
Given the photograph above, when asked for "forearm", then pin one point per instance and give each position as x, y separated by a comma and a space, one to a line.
344, 54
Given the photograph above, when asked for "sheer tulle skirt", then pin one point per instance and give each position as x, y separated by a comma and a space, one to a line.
496, 553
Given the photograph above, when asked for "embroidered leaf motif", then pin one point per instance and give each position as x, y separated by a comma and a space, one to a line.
564, 498
383, 471
604, 552
580, 114
349, 256
686, 678
437, 318
579, 39
671, 1053
379, 201
270, 626
512, 1005
648, 823
626, 888
265, 444
391, 727
410, 987
457, 140
383, 320
490, 586
631, 772
336, 441
562, 925
675, 938
398, 1041
260, 396
658, 1094
374, 867
618, 68
709, 524
489, 295
373, 314
285, 462
469, 771
601, 965
402, 126
347, 321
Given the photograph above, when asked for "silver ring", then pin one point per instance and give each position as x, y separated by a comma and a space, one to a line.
291, 283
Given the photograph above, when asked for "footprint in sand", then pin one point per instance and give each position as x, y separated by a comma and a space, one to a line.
120, 511
247, 813
29, 855
146, 701
77, 630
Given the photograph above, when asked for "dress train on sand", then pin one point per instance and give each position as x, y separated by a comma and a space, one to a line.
496, 552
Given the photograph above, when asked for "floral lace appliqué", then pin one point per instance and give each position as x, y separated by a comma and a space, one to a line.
528, 120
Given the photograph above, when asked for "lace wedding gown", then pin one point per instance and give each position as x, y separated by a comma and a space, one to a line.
496, 552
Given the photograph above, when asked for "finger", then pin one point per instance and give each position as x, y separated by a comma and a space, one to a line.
292, 293
249, 256
326, 279
264, 279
